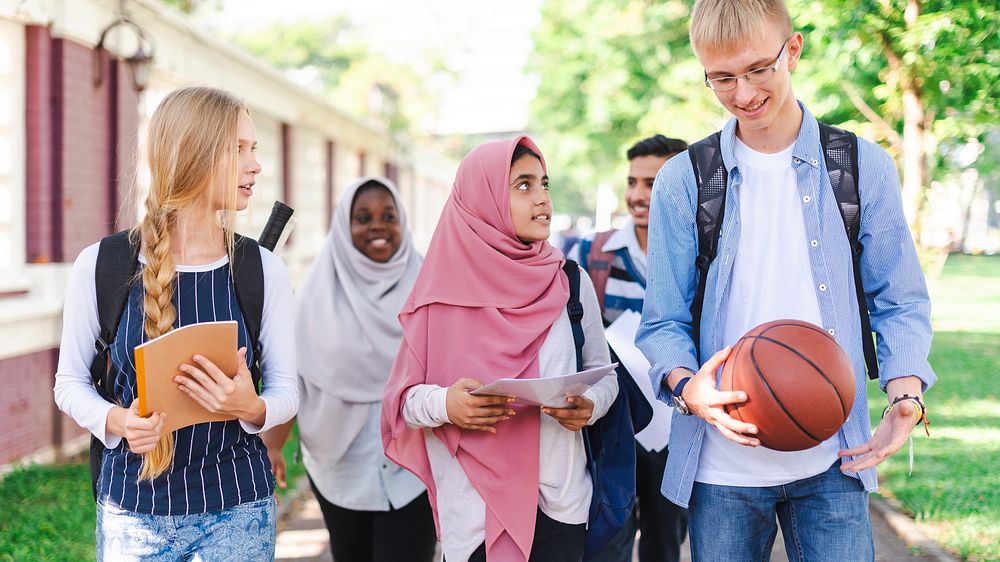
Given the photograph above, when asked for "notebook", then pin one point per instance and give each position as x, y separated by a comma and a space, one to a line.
157, 362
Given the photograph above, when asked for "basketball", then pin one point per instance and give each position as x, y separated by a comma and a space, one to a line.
799, 384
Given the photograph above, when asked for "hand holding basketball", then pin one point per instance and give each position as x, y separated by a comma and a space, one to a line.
705, 400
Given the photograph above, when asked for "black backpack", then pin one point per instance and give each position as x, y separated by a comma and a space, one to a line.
117, 264
840, 151
609, 443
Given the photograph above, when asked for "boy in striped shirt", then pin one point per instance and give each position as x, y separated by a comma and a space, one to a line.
616, 262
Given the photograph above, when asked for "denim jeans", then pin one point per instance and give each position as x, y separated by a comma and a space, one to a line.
824, 517
245, 532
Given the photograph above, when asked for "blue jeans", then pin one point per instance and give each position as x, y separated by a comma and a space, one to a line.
245, 532
824, 517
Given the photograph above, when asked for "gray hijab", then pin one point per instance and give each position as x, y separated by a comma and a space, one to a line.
347, 331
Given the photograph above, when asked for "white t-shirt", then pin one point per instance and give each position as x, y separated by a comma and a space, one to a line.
771, 280
564, 486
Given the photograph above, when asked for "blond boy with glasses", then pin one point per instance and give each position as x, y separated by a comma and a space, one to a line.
782, 253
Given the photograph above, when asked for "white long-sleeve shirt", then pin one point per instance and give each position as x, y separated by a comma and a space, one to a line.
564, 484
74, 391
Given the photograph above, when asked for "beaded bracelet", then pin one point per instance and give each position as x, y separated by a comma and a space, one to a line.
921, 418
920, 404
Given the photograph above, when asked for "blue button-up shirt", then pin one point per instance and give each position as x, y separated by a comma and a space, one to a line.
894, 284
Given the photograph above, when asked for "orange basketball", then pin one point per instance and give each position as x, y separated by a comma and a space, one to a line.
799, 384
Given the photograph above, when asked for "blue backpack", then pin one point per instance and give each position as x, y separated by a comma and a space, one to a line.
610, 446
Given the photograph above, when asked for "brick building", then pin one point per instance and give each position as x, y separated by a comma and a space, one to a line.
71, 130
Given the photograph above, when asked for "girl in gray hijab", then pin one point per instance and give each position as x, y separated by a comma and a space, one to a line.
348, 336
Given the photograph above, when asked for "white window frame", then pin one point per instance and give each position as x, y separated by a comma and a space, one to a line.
13, 160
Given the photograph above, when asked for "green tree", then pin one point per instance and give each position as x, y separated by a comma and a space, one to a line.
325, 48
916, 74
332, 58
612, 72
192, 6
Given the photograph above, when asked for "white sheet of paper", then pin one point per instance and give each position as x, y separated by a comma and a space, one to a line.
549, 391
621, 336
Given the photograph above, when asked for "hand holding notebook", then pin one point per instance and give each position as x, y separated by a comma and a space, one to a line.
209, 390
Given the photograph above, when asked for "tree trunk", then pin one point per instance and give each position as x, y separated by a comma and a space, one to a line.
914, 131
914, 155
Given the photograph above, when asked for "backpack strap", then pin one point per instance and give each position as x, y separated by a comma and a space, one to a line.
597, 263
248, 280
711, 176
574, 308
840, 150
608, 444
117, 262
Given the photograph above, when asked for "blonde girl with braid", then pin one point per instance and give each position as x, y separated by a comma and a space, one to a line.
203, 492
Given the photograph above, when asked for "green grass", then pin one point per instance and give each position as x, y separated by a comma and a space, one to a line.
954, 491
966, 298
47, 512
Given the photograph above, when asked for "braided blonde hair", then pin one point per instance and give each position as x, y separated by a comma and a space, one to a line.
192, 137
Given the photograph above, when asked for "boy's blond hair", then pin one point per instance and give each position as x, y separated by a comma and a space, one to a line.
726, 25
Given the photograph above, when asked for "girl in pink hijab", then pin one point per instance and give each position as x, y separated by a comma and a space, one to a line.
508, 483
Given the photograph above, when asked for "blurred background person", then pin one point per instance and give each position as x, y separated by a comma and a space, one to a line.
348, 337
616, 262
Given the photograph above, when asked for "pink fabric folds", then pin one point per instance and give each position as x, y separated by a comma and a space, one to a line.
481, 307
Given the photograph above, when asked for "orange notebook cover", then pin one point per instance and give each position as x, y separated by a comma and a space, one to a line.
157, 360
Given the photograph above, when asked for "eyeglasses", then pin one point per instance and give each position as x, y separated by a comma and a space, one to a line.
756, 76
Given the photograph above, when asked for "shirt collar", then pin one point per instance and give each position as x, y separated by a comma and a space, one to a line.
624, 237
806, 148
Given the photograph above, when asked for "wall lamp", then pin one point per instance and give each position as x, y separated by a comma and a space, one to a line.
139, 63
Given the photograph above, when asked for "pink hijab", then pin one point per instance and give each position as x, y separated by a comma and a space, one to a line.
482, 305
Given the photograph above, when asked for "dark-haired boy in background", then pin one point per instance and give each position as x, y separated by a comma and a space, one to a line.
616, 262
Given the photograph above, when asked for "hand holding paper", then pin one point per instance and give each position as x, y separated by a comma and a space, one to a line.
476, 412
549, 391
575, 416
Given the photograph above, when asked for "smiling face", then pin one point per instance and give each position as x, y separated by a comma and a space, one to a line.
530, 206
762, 109
375, 228
641, 174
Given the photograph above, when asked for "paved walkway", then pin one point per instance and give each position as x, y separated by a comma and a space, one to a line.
303, 538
